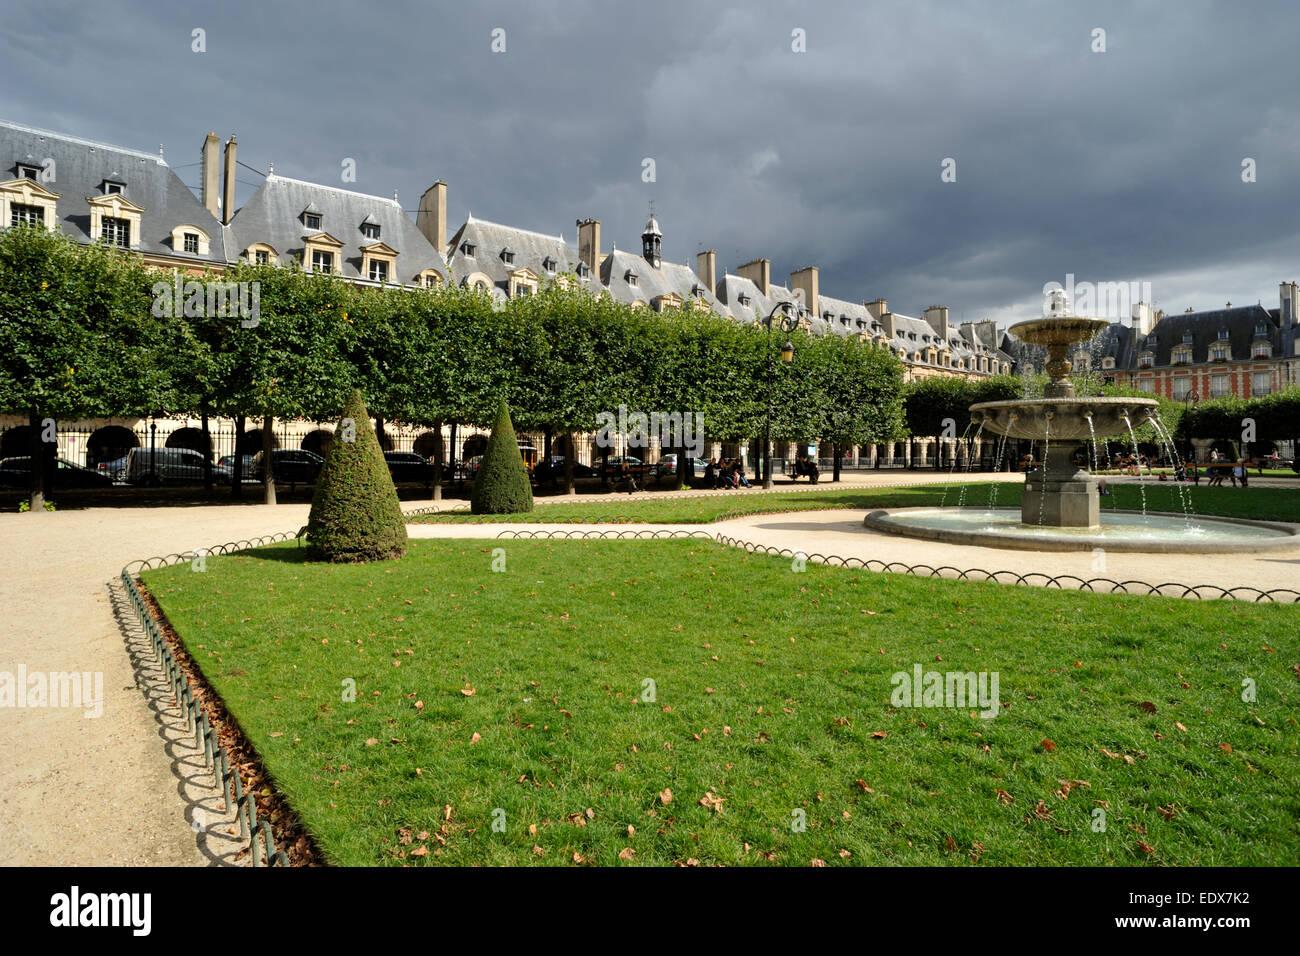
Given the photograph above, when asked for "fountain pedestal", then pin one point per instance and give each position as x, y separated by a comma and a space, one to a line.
1061, 495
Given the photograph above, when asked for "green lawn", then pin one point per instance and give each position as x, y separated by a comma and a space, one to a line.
1266, 504
519, 692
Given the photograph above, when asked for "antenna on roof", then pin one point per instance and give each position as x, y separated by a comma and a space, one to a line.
394, 195
270, 169
161, 158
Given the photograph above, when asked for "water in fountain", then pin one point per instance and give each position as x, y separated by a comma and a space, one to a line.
1042, 472
1137, 459
1167, 441
961, 498
997, 469
943, 499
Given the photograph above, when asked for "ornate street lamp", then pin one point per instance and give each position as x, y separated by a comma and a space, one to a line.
789, 322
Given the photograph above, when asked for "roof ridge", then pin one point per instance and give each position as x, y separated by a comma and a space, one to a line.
502, 225
276, 177
84, 142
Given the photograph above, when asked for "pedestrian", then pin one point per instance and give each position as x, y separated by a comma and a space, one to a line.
1239, 471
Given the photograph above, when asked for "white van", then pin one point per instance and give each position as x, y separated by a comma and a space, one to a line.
168, 466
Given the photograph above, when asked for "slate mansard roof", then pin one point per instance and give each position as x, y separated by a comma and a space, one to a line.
80, 167
274, 215
1244, 325
669, 278
479, 247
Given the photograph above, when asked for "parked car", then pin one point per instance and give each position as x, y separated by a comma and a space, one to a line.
579, 469
408, 467
115, 469
667, 465
17, 473
470, 466
227, 462
614, 464
292, 466
168, 466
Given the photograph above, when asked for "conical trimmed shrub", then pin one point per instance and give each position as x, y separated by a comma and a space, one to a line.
355, 515
501, 485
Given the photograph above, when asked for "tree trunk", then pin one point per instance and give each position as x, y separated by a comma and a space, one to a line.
268, 459
569, 452
36, 498
836, 451
456, 470
436, 493
237, 479
207, 450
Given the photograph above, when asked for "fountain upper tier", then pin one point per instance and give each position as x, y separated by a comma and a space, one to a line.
1063, 419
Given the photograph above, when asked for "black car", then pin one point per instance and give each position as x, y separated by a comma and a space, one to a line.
17, 473
293, 466
409, 468
579, 469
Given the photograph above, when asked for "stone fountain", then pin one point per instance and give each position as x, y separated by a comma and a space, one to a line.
1060, 509
1060, 494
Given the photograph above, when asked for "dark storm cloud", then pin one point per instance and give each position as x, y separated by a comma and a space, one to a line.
1112, 166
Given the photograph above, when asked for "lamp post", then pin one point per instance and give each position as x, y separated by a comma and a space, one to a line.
789, 322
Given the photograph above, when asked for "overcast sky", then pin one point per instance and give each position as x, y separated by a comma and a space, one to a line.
1115, 166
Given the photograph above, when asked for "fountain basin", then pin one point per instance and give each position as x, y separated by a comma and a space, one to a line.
1063, 419
1156, 532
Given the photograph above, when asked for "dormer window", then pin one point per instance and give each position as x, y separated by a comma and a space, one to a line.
111, 187
1262, 350
1223, 335
1219, 353
697, 291
743, 299
549, 264
1146, 360
311, 220
1261, 330
631, 277
1182, 355
370, 230
24, 215
583, 271
378, 270
467, 249
322, 261
1108, 362
191, 242
508, 256
116, 232
26, 171
1187, 338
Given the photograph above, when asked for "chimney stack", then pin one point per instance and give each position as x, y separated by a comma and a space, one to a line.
758, 272
228, 190
805, 280
211, 174
706, 267
937, 316
431, 218
877, 307
589, 244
